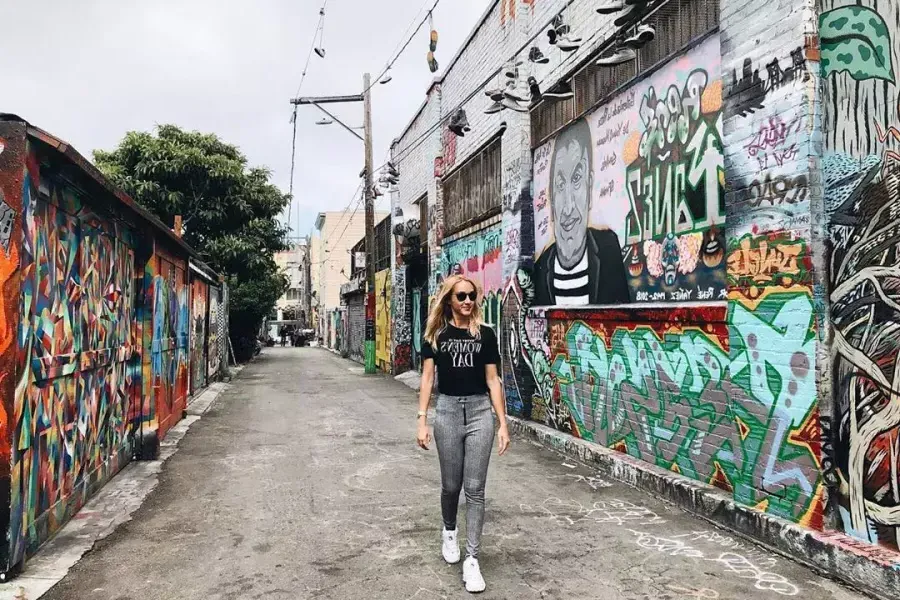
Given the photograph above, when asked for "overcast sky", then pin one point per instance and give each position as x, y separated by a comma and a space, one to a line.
88, 71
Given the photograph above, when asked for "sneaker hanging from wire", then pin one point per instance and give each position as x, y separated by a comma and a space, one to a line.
432, 63
620, 55
512, 104
631, 14
536, 56
610, 7
568, 44
535, 90
643, 35
494, 108
561, 91
512, 92
512, 69
459, 123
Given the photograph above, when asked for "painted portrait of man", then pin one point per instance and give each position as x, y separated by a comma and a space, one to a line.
583, 265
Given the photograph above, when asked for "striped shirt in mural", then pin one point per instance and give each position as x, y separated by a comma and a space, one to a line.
571, 285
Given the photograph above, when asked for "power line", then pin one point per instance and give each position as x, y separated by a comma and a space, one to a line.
421, 139
405, 46
319, 27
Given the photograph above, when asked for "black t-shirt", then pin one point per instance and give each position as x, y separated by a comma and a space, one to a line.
460, 360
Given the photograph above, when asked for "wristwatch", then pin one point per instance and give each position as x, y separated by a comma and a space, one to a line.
422, 413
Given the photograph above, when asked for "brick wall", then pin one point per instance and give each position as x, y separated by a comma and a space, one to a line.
723, 389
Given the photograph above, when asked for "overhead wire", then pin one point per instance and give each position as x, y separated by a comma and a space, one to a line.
320, 26
405, 46
422, 137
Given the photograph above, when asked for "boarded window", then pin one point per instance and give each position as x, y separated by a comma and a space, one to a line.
472, 192
677, 24
383, 245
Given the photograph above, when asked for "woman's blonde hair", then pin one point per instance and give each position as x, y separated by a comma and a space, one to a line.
440, 313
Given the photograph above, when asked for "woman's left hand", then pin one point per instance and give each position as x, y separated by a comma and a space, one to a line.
502, 440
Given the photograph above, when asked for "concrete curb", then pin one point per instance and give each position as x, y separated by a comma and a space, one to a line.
113, 505
869, 568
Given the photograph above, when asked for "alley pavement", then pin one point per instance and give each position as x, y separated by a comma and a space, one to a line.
304, 481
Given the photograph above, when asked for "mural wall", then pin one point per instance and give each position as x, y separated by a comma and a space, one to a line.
478, 256
13, 186
860, 62
166, 341
199, 309
640, 218
214, 363
402, 335
629, 201
383, 320
75, 341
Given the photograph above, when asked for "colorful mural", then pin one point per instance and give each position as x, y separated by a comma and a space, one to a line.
213, 338
167, 342
860, 58
199, 306
383, 320
478, 256
686, 390
629, 201
75, 341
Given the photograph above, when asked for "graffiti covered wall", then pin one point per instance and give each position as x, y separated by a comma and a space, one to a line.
402, 335
478, 256
690, 390
199, 306
629, 201
383, 320
212, 344
75, 341
166, 341
860, 64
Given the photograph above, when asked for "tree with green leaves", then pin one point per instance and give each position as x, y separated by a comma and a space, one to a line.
230, 212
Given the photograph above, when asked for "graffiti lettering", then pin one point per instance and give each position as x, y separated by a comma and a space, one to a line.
767, 259
778, 190
772, 144
659, 196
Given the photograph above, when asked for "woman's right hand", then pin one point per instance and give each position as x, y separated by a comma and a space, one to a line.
423, 436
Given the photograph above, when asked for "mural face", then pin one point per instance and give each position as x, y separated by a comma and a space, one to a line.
860, 57
383, 320
478, 256
629, 201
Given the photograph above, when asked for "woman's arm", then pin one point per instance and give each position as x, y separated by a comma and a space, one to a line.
495, 386
423, 436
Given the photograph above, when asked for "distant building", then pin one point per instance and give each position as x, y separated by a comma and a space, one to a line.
336, 233
295, 303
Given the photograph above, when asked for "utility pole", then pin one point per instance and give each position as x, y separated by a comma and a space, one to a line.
370, 229
368, 195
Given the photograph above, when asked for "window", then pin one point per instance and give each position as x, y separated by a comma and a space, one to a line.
677, 24
472, 192
383, 245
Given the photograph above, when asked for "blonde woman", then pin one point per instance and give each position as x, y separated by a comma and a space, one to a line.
466, 354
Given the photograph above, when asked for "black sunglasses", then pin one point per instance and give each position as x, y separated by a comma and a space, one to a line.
461, 296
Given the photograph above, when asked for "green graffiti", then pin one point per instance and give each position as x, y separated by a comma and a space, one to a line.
855, 39
683, 402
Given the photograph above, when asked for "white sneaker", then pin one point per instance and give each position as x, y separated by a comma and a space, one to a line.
472, 576
450, 547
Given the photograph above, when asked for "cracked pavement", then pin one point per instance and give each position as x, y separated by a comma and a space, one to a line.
304, 481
